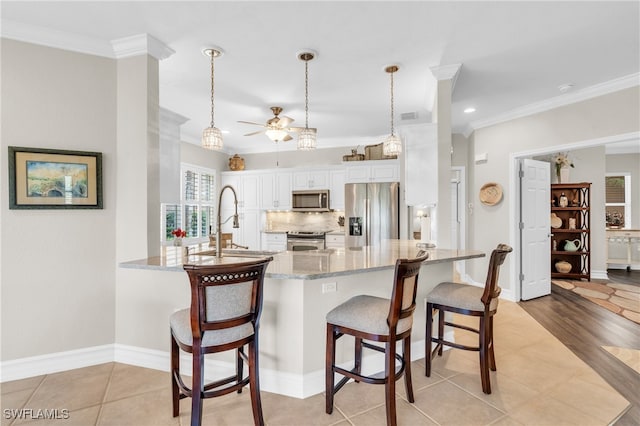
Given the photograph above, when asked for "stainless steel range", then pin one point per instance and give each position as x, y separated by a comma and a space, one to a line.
305, 240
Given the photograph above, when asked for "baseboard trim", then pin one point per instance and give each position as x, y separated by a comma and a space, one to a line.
283, 383
23, 368
599, 275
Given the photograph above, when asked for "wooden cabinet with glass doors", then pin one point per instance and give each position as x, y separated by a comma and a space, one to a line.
570, 231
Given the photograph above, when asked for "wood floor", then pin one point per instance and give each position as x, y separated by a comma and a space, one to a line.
584, 327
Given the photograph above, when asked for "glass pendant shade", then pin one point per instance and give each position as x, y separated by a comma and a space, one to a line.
276, 134
307, 139
392, 145
212, 138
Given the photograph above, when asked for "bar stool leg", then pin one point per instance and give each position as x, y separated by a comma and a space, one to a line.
329, 363
406, 354
428, 340
254, 383
390, 385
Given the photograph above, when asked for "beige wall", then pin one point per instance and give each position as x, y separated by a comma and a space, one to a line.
612, 114
629, 163
58, 266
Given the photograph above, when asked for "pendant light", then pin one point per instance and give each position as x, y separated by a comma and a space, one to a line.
307, 136
212, 136
392, 145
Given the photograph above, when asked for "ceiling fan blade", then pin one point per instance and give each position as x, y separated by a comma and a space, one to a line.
285, 121
287, 138
250, 122
255, 133
299, 129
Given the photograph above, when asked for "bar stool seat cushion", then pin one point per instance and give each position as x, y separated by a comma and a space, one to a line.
367, 314
461, 296
180, 322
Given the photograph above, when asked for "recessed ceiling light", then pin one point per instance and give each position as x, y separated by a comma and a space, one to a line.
469, 110
226, 132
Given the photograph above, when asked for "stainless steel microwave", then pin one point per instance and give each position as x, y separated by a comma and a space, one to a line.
314, 200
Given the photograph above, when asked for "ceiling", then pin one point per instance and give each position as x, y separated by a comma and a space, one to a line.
513, 54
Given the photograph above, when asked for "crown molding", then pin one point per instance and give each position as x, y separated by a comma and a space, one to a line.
141, 44
562, 100
446, 72
53, 38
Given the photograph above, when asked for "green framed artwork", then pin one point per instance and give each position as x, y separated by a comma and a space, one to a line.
54, 179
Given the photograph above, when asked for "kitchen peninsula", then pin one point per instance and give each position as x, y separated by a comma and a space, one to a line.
300, 288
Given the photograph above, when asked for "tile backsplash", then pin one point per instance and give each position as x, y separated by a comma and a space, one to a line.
302, 221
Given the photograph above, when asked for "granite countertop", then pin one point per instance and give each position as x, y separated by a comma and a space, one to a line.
313, 264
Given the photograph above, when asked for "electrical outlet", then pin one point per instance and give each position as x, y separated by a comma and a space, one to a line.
329, 287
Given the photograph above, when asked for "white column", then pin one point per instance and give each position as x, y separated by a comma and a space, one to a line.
446, 76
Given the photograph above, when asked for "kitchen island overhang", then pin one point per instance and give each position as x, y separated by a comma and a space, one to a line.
300, 288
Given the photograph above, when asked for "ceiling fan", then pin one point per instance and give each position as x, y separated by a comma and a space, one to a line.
276, 128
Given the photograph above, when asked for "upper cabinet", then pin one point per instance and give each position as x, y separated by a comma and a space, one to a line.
421, 164
372, 171
310, 179
276, 190
336, 189
247, 187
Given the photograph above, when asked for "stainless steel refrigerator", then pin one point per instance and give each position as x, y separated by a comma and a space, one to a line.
371, 211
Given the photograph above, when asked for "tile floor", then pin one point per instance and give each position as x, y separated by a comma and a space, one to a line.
538, 382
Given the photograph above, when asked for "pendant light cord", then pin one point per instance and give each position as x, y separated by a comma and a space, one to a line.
391, 102
306, 94
212, 90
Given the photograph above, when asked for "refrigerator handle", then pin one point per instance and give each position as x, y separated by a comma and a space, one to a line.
367, 219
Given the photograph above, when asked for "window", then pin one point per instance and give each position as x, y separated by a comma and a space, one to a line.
196, 212
618, 200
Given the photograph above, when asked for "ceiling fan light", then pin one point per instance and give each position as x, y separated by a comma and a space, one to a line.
307, 139
392, 145
212, 138
276, 134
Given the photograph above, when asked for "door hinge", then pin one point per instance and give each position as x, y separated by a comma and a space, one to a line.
521, 225
521, 277
521, 173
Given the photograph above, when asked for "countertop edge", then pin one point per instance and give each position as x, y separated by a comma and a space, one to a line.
302, 276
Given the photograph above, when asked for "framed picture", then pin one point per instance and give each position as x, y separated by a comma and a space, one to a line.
54, 179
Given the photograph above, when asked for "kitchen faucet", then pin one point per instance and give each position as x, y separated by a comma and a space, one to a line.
236, 223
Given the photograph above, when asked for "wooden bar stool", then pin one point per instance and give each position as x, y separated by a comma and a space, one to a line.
467, 300
226, 302
381, 320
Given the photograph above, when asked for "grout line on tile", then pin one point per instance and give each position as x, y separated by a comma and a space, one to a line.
104, 396
335, 407
424, 414
477, 397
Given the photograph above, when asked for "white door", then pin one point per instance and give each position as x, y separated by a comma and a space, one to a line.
535, 250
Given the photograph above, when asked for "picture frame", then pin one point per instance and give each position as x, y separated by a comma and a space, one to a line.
42, 178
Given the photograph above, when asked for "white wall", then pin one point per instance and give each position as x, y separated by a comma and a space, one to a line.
604, 116
629, 163
58, 266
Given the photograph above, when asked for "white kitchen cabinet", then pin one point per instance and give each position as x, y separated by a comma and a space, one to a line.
336, 188
248, 234
372, 171
334, 240
310, 179
275, 190
421, 164
247, 186
274, 241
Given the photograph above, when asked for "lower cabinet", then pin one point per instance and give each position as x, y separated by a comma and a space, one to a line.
334, 240
274, 241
